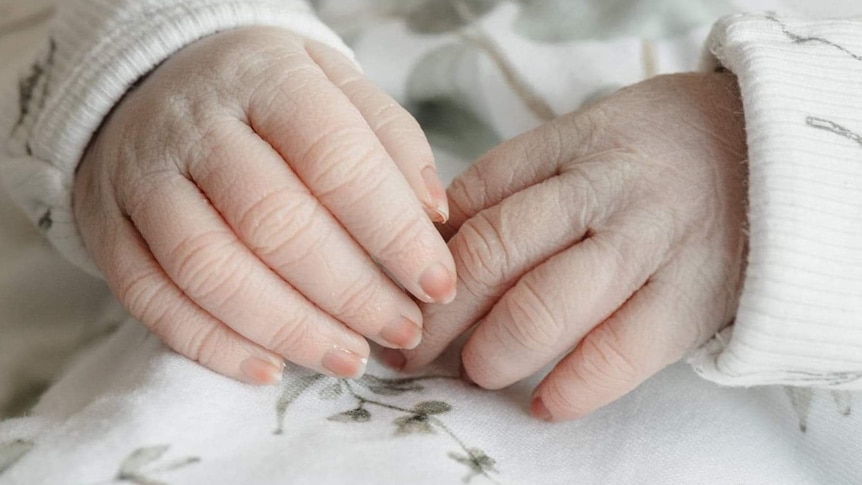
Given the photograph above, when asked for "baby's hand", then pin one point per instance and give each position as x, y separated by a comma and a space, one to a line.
240, 200
617, 231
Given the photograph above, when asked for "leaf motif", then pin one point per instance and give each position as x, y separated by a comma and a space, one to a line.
331, 391
432, 407
844, 401
389, 387
13, 451
290, 392
415, 423
436, 17
800, 399
141, 458
176, 464
476, 460
570, 20
358, 415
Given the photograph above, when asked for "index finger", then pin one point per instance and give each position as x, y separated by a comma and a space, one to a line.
326, 140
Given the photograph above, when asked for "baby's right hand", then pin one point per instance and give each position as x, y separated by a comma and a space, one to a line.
238, 202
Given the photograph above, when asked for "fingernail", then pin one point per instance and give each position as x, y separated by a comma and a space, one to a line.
437, 193
462, 371
539, 410
393, 358
438, 284
402, 333
341, 362
261, 372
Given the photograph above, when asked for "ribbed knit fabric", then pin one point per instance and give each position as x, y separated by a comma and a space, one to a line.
800, 318
98, 49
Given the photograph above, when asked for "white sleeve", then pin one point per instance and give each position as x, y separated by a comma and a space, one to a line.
97, 49
800, 317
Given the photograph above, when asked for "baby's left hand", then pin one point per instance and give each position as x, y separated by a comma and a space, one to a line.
616, 231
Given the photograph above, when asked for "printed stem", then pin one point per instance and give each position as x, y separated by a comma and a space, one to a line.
477, 36
363, 400
442, 425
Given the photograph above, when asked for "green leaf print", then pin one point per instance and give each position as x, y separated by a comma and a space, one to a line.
331, 391
358, 415
413, 424
568, 20
478, 462
141, 458
432, 407
13, 451
440, 16
142, 464
290, 392
389, 387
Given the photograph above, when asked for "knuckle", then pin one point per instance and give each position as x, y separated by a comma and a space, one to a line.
205, 267
206, 345
282, 228
392, 119
291, 337
532, 325
481, 255
356, 299
401, 240
562, 401
604, 362
325, 156
468, 193
141, 295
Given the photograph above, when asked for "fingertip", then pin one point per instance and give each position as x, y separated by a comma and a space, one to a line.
438, 283
401, 333
262, 371
341, 362
438, 203
551, 404
539, 411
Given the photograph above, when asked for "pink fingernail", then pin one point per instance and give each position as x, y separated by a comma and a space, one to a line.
539, 410
341, 362
437, 193
261, 371
402, 333
438, 284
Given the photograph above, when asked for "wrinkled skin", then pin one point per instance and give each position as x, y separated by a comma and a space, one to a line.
612, 238
249, 201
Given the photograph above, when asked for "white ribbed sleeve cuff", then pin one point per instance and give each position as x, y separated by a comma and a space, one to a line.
97, 50
800, 317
